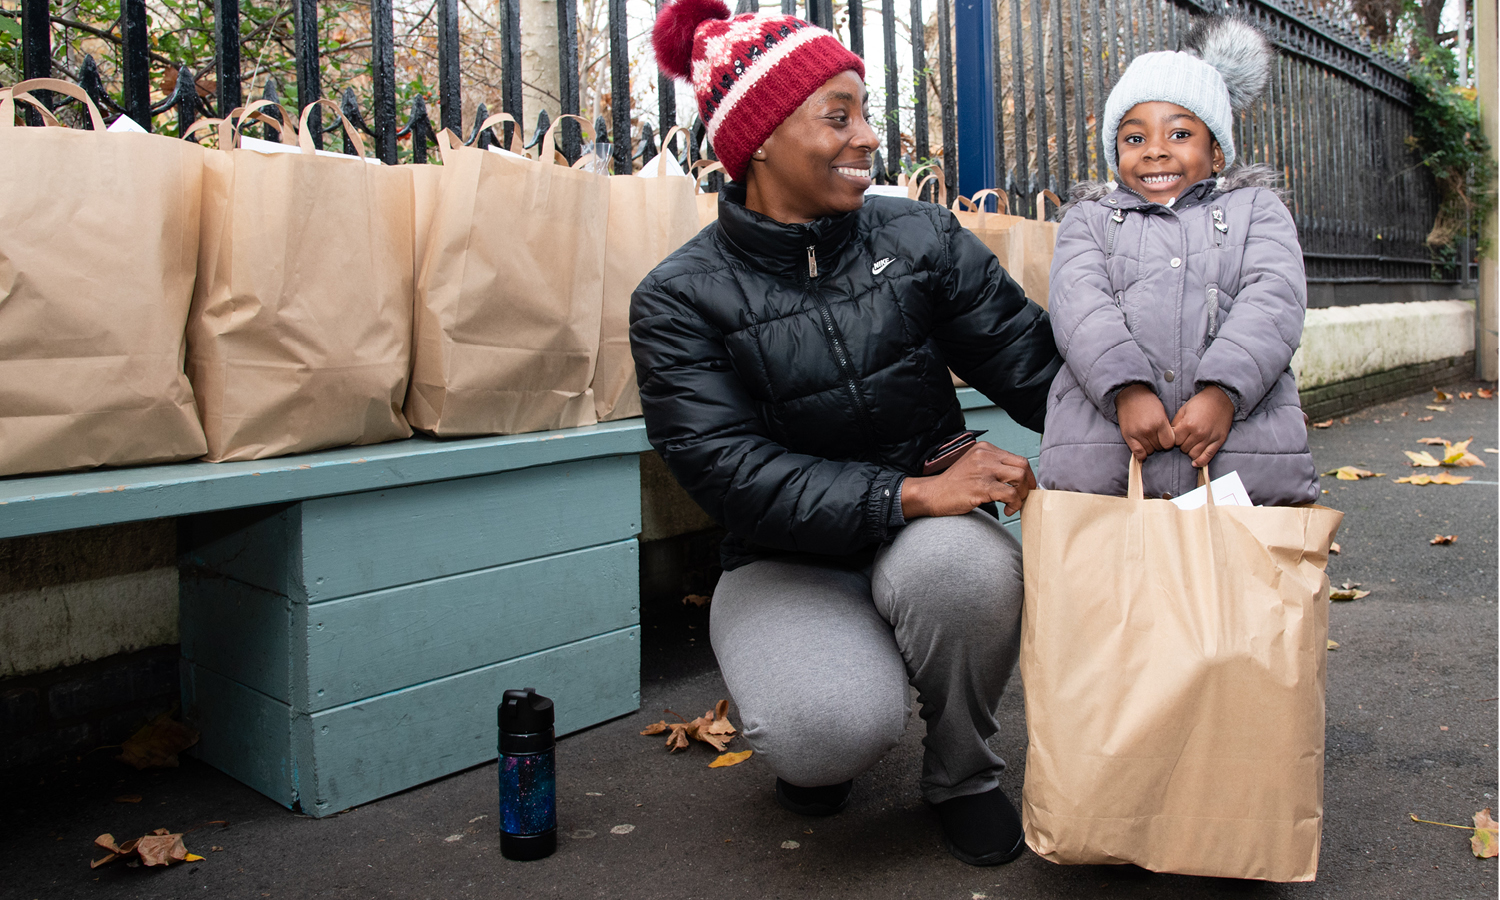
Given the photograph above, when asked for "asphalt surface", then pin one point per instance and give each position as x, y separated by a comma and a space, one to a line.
1411, 730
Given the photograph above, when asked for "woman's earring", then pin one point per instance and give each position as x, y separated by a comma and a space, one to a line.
759, 154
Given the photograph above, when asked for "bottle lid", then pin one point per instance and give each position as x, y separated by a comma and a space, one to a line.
525, 712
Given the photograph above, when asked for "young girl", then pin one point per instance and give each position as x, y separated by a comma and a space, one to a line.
1178, 293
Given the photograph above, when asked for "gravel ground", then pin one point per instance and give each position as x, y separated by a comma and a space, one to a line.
1411, 730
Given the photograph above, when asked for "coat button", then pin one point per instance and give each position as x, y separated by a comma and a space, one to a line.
1169, 375
1176, 262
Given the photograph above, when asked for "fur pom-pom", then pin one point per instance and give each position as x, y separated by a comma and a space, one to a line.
1239, 50
672, 36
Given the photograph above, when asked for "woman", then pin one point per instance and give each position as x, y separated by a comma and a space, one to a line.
793, 365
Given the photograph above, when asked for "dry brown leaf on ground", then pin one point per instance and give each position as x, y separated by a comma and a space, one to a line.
157, 743
1483, 839
1443, 539
1349, 590
1486, 830
1439, 478
1353, 473
159, 848
1438, 408
1466, 395
1458, 455
1432, 440
1333, 644
1422, 458
1335, 549
712, 728
1425, 419
1485, 394
1440, 396
1326, 423
731, 759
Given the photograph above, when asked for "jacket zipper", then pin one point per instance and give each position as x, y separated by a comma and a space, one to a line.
1213, 312
1220, 229
1110, 230
840, 354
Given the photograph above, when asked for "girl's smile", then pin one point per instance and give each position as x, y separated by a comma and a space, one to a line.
1165, 149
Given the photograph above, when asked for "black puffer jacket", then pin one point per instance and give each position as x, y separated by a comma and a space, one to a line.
792, 375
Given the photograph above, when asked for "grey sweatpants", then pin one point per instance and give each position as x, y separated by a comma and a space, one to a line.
818, 658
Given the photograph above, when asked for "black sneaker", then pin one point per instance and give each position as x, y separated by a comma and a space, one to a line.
982, 829
813, 801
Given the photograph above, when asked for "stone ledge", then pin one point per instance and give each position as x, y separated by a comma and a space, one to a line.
1345, 397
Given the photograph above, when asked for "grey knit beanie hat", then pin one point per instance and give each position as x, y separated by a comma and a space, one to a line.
1225, 64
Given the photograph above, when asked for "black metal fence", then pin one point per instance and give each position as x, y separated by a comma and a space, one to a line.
1334, 120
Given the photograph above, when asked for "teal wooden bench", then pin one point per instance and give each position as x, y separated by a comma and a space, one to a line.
350, 618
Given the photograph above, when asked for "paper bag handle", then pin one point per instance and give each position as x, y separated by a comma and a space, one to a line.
304, 137
233, 125
515, 133
935, 176
1041, 206
703, 167
62, 87
976, 203
1135, 489
549, 142
666, 142
7, 110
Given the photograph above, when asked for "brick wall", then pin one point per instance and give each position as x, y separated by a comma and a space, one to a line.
77, 708
1344, 397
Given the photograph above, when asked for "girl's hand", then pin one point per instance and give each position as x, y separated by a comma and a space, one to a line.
1203, 423
1143, 421
984, 474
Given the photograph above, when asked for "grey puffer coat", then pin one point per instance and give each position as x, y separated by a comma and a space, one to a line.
1208, 291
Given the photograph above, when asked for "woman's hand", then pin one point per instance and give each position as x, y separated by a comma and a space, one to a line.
1202, 424
1143, 421
984, 474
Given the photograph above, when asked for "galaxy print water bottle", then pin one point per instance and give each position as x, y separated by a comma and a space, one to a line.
528, 780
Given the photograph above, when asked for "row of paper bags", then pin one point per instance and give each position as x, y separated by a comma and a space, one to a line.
167, 301
311, 300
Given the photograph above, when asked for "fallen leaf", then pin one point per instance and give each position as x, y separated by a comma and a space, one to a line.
731, 759
1335, 548
1353, 473
1441, 396
1439, 478
157, 743
1326, 423
128, 798
1425, 419
1432, 440
1459, 455
712, 728
1438, 409
1485, 832
1492, 449
159, 848
789, 845
622, 829
696, 600
1485, 394
1422, 458
1349, 590
1443, 539
1466, 395
1332, 644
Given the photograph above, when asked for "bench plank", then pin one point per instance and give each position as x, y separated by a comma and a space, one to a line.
322, 763
59, 502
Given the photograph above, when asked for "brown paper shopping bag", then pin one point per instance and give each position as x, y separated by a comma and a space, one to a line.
98, 248
1032, 243
708, 202
509, 295
300, 335
648, 219
1174, 663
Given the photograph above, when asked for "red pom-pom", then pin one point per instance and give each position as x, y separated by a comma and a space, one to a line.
672, 36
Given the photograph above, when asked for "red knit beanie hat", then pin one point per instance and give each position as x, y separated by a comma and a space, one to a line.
749, 72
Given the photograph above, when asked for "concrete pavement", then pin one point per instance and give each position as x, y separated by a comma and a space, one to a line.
1417, 656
